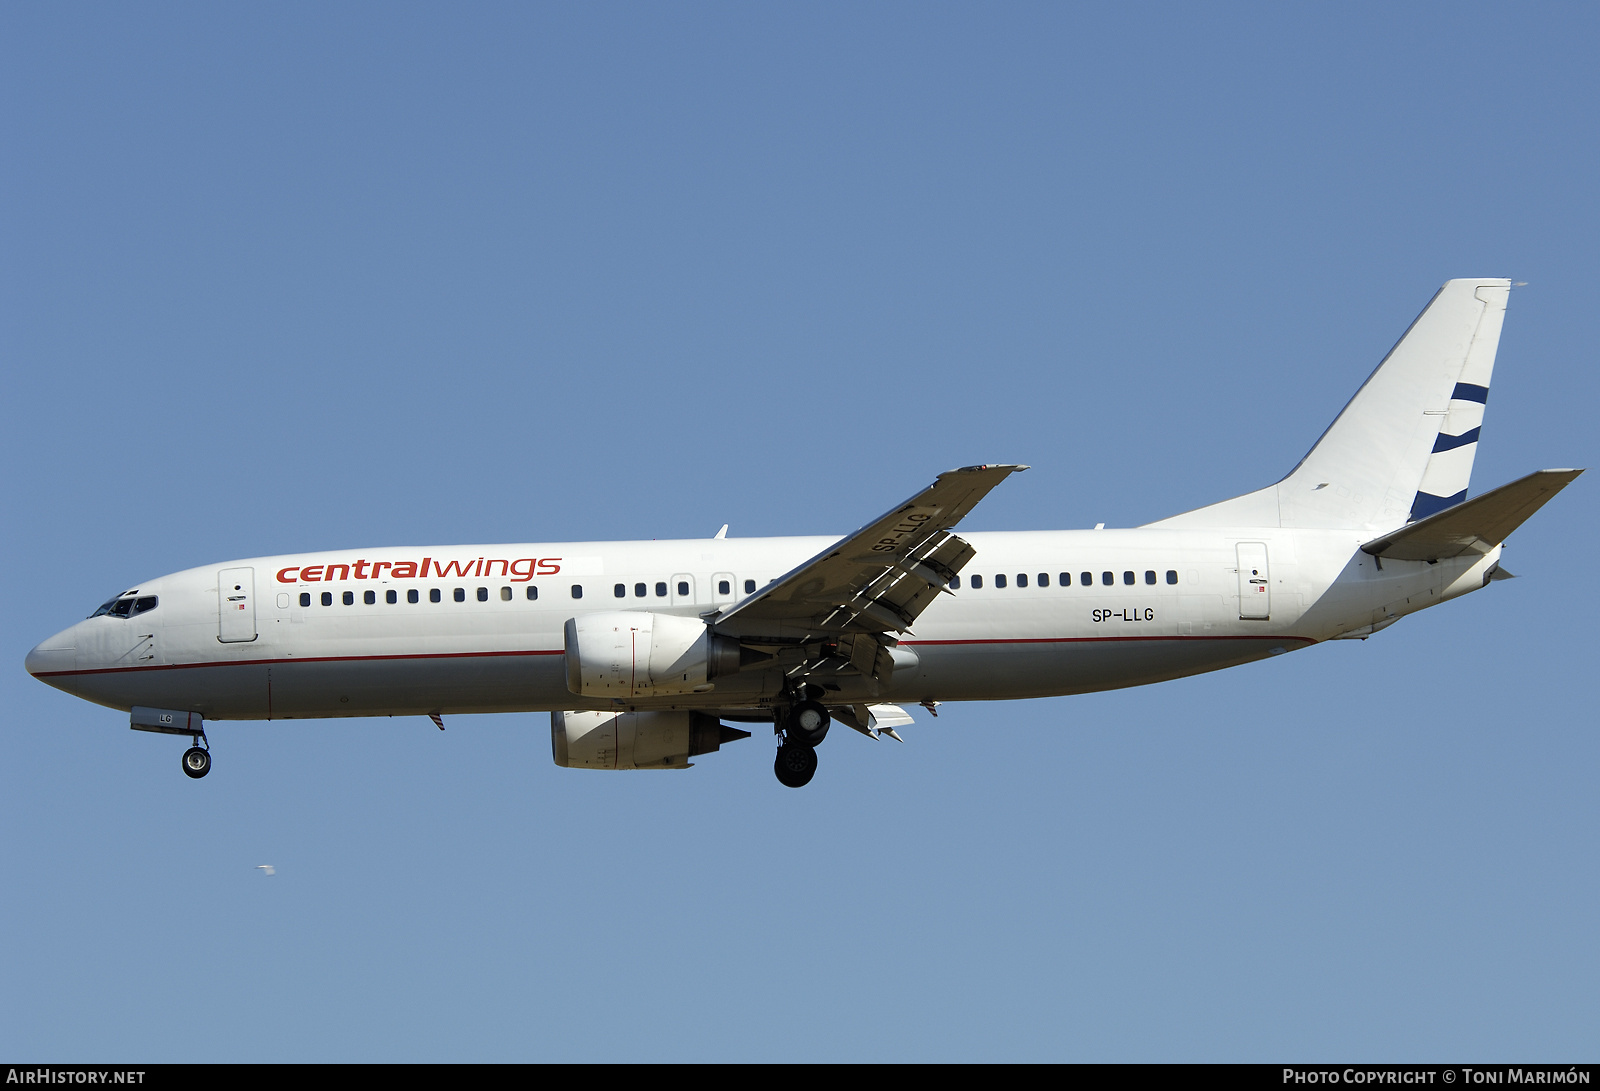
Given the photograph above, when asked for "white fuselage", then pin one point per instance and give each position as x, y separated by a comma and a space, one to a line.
272, 650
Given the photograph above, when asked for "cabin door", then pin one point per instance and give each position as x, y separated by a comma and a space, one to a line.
1255, 587
236, 605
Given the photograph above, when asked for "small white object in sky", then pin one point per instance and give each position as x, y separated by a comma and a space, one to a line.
267, 869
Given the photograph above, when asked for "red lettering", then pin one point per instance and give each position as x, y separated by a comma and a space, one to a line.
520, 570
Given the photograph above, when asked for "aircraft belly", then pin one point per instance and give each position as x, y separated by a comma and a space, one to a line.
1000, 670
224, 691
409, 686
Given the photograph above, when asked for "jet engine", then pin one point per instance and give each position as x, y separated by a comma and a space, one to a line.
635, 654
635, 740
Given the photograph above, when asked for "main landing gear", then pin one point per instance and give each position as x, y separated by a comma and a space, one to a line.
196, 760
803, 729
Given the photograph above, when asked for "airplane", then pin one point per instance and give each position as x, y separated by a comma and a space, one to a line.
645, 653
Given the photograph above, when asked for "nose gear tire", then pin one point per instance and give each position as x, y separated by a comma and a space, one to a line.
196, 762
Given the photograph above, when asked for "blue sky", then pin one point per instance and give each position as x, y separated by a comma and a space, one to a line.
313, 278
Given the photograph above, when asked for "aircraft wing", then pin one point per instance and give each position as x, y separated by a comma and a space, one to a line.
1476, 525
877, 580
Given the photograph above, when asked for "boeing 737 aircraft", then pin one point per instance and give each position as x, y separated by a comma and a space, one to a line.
644, 652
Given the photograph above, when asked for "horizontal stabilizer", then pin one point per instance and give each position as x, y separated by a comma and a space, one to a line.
1472, 526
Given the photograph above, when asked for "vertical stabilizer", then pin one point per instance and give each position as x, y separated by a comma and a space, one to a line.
1403, 447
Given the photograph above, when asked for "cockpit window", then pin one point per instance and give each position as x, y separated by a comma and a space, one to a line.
144, 605
121, 606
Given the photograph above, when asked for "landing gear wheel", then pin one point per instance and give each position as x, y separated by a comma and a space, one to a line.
808, 723
196, 762
796, 764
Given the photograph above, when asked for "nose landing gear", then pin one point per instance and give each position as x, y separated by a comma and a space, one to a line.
196, 760
168, 721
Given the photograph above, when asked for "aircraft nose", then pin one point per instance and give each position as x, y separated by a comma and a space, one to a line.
56, 654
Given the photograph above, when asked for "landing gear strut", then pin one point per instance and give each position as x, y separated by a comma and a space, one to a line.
196, 760
804, 728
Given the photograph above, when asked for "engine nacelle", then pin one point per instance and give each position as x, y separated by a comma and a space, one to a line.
635, 740
635, 654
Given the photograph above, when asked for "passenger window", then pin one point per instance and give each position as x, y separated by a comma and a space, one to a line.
327, 598
661, 590
1172, 575
749, 587
683, 588
1022, 579
369, 597
1150, 576
1127, 578
412, 596
505, 594
1086, 578
1065, 578
724, 587
977, 582
577, 590
144, 605
955, 582
305, 598
483, 594
1044, 579
533, 592
460, 594
1000, 580
433, 594
391, 596
349, 598
640, 590
1108, 578
620, 591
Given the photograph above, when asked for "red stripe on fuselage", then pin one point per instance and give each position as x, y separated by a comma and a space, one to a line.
560, 651
291, 659
1100, 639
